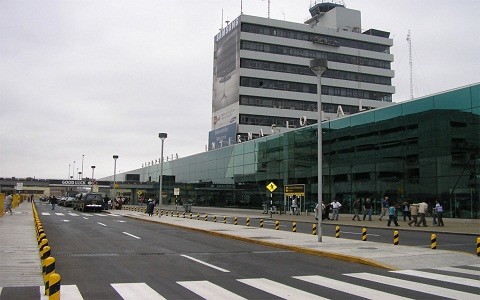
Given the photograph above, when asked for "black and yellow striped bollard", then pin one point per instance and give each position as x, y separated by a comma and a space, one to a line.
294, 227
198, 216
364, 234
314, 229
178, 214
261, 225
161, 212
48, 269
277, 225
478, 246
190, 215
45, 252
248, 221
433, 241
183, 215
215, 218
224, 219
235, 221
337, 232
54, 288
206, 217
396, 237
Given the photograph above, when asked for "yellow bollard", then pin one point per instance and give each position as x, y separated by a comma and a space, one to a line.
478, 246
337, 232
45, 252
40, 238
314, 229
248, 221
433, 241
48, 269
235, 221
224, 219
261, 223
206, 217
190, 215
54, 288
396, 237
294, 227
183, 215
198, 216
214, 218
42, 244
364, 234
277, 225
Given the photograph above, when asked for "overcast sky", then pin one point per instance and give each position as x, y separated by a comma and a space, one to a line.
98, 78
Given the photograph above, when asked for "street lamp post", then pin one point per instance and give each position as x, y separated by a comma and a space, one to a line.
318, 66
80, 176
68, 177
162, 136
114, 177
73, 171
93, 172
83, 155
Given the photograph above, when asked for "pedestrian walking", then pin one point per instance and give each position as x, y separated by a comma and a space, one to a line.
385, 206
406, 212
439, 212
356, 209
294, 206
150, 207
53, 201
335, 209
367, 208
422, 211
414, 214
392, 215
8, 203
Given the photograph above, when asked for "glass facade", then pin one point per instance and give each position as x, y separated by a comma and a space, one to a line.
424, 149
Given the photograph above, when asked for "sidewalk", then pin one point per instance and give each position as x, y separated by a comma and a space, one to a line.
19, 257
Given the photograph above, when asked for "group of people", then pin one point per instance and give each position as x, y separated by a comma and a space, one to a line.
415, 213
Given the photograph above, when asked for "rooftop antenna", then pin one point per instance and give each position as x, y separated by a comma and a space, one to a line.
221, 24
241, 7
283, 13
409, 39
268, 9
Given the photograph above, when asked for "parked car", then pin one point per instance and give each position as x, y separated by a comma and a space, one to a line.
88, 202
68, 201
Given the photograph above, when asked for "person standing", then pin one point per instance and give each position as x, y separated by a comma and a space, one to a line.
422, 211
439, 212
53, 201
385, 206
392, 215
294, 206
8, 203
356, 209
367, 207
406, 211
335, 209
414, 214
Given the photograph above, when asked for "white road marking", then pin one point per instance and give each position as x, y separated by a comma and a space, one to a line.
66, 221
134, 236
415, 286
101, 224
353, 289
445, 278
205, 263
70, 292
278, 289
358, 233
85, 218
45, 213
60, 214
208, 290
74, 215
459, 270
135, 291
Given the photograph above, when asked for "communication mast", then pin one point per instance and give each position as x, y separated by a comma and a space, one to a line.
409, 39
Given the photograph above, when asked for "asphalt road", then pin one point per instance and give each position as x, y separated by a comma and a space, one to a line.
105, 256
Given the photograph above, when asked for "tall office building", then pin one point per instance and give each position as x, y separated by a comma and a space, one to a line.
262, 83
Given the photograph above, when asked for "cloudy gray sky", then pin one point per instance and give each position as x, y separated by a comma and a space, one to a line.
98, 78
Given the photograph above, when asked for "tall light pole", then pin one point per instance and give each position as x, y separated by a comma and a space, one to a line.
114, 177
319, 66
69, 165
73, 171
83, 155
93, 172
162, 136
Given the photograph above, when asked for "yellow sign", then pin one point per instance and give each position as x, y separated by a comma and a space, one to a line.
294, 190
116, 185
271, 187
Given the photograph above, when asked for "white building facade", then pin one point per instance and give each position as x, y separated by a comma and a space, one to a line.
262, 83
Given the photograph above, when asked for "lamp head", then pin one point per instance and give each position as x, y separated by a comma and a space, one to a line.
115, 156
162, 135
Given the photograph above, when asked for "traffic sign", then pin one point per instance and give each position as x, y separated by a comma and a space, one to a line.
294, 190
176, 191
271, 187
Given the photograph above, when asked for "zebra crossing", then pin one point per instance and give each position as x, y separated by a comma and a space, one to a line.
464, 283
78, 214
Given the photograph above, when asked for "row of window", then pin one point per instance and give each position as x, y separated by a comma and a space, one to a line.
312, 89
272, 120
294, 104
306, 36
293, 51
305, 70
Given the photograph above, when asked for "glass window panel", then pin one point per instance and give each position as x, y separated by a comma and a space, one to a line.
362, 118
413, 107
388, 113
458, 99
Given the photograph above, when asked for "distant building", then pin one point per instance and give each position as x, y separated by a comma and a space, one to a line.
262, 83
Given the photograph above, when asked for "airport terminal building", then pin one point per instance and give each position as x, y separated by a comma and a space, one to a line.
423, 149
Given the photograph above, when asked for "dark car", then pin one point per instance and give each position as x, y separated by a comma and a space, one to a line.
88, 202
